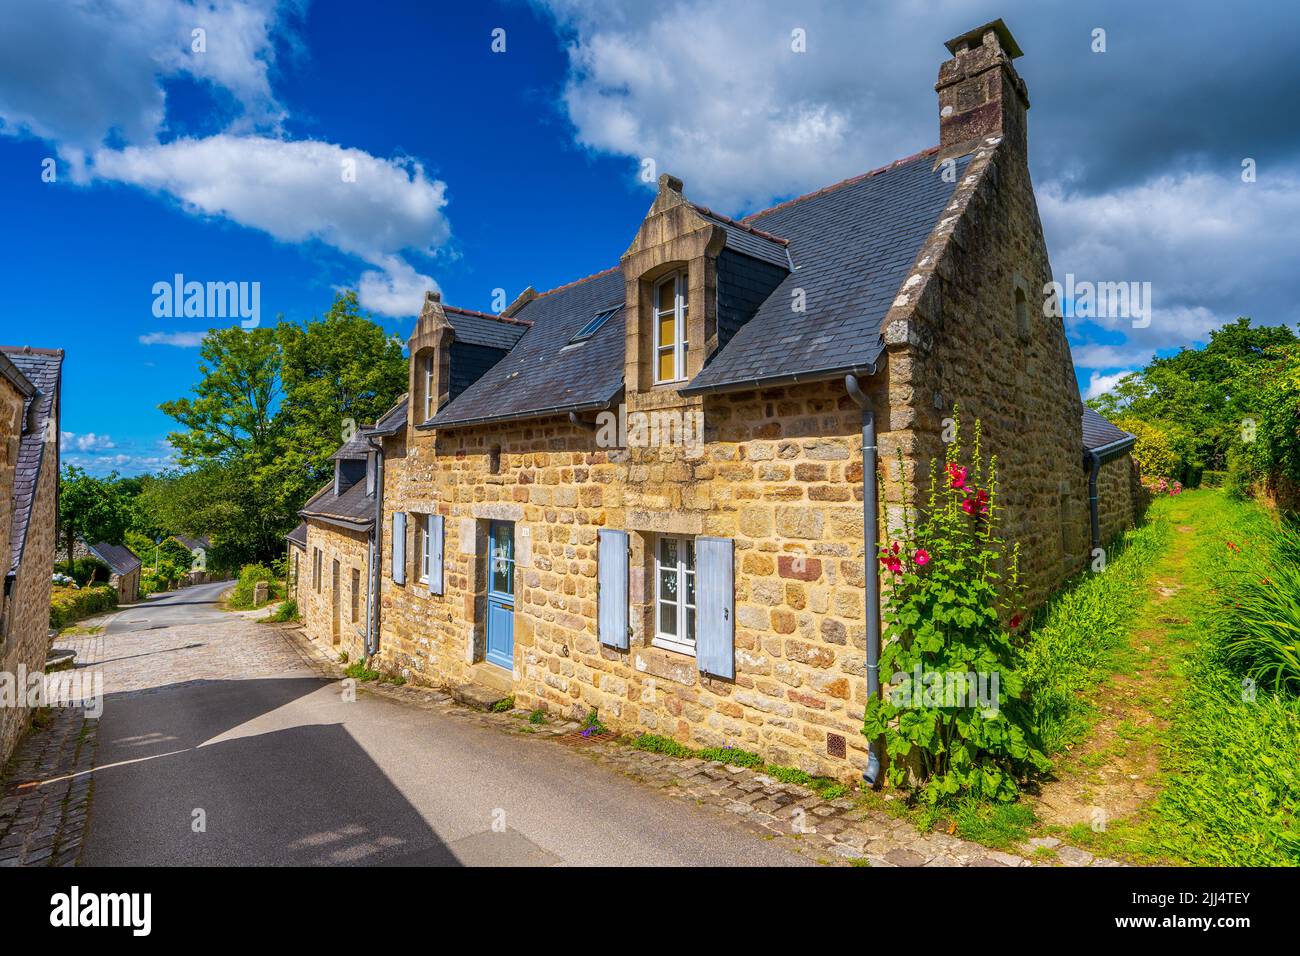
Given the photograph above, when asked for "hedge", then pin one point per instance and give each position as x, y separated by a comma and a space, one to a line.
68, 604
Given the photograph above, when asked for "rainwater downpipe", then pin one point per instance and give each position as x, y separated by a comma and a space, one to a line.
1094, 520
376, 558
870, 547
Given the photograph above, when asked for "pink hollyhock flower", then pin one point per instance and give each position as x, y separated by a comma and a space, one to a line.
968, 506
896, 547
982, 499
956, 477
1015, 621
922, 557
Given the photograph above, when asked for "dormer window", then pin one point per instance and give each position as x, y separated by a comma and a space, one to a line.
670, 328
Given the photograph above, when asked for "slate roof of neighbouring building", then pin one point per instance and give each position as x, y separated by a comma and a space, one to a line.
298, 535
41, 369
543, 373
392, 421
353, 509
355, 447
202, 541
1097, 432
850, 246
118, 557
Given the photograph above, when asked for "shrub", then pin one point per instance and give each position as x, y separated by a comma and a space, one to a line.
68, 604
732, 755
83, 570
358, 670
249, 577
287, 611
953, 577
1155, 451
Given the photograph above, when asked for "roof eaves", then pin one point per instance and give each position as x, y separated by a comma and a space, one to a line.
798, 378
520, 415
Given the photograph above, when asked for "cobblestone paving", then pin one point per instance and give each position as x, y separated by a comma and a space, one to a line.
46, 787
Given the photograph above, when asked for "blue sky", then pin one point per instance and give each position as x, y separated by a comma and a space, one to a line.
479, 170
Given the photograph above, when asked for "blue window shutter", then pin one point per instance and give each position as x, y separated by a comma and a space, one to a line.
434, 531
611, 598
399, 547
715, 625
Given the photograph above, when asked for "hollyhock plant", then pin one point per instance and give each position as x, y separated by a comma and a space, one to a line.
951, 608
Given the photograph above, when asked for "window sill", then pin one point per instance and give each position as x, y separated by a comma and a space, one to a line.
675, 647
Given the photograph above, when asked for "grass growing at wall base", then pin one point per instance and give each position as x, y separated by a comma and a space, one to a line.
825, 787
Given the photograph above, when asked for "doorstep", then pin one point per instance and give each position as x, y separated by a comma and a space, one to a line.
487, 686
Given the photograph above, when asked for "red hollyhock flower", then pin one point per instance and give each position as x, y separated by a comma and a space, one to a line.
968, 506
922, 557
956, 477
1015, 621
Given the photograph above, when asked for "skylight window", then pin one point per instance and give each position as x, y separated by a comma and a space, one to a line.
594, 326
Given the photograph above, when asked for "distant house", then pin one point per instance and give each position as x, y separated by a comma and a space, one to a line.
29, 474
124, 569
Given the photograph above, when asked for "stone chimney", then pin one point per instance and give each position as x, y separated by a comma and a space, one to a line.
980, 93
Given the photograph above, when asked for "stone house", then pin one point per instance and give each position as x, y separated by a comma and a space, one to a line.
653, 492
29, 473
123, 567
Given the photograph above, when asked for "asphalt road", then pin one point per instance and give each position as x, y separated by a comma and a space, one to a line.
219, 746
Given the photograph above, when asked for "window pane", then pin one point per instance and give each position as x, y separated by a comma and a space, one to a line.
690, 588
690, 626
667, 366
668, 619
667, 329
668, 584
667, 293
689, 559
668, 552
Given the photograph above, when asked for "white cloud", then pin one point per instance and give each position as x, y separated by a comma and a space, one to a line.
1099, 384
713, 92
89, 76
396, 291
295, 191
183, 340
76, 72
88, 442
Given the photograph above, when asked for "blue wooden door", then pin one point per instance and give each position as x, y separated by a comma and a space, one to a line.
501, 594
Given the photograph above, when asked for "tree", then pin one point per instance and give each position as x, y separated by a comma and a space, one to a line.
270, 409
93, 508
233, 412
1200, 397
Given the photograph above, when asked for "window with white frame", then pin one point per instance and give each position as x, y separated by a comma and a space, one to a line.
428, 387
670, 328
422, 546
675, 594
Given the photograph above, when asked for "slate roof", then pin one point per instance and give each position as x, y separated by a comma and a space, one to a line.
480, 328
354, 448
298, 535
203, 541
849, 247
852, 246
393, 420
543, 373
118, 557
41, 369
749, 240
1097, 432
353, 509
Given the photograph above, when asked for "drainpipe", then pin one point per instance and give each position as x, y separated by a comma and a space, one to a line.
870, 545
1093, 461
376, 559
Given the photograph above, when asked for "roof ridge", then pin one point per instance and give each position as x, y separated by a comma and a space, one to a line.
833, 187
30, 350
570, 285
740, 225
486, 315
